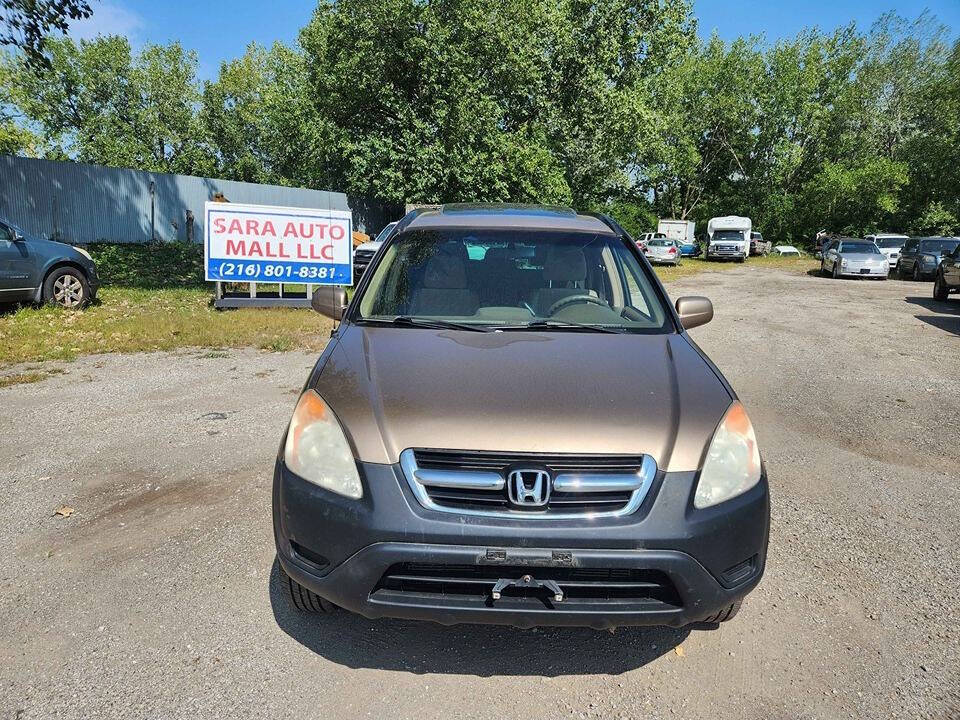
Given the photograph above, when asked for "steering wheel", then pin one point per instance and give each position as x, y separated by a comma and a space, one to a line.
570, 299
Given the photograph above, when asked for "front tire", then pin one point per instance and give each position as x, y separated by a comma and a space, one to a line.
304, 599
728, 613
940, 291
66, 287
917, 277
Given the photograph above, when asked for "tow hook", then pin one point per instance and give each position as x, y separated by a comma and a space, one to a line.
527, 581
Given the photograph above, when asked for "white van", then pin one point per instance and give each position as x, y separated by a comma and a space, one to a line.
728, 237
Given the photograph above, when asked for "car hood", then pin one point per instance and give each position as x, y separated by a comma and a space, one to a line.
372, 246
550, 392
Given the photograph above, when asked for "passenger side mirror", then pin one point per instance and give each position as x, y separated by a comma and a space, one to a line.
329, 300
694, 311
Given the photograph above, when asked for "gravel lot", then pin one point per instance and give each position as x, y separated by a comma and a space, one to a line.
157, 597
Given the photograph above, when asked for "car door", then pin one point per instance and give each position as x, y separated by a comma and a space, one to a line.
909, 255
833, 252
17, 271
951, 268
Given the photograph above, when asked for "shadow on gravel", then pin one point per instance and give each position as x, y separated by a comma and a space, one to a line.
948, 307
947, 317
482, 650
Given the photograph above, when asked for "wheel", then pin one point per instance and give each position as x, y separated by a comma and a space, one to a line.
900, 273
916, 272
305, 599
67, 287
940, 291
728, 613
836, 270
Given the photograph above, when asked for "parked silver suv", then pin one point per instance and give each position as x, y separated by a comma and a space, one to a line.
511, 425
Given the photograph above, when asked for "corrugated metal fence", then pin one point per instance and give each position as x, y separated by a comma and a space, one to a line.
82, 203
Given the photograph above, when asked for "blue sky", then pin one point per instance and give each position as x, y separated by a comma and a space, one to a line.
220, 30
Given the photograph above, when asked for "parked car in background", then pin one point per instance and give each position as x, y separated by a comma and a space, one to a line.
683, 232
363, 254
920, 257
646, 237
36, 270
550, 450
785, 250
890, 245
947, 279
849, 257
663, 251
759, 246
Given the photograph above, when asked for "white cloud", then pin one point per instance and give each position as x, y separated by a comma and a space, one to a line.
109, 18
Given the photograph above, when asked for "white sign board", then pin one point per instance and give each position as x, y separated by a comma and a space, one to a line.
261, 243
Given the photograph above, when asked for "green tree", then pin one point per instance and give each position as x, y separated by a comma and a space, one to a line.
25, 24
259, 118
99, 103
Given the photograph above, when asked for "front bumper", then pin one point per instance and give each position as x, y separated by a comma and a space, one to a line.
732, 254
344, 549
874, 271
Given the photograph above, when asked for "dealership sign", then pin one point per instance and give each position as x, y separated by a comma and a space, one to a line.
260, 243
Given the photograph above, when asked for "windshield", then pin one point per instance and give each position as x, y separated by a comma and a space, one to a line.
383, 234
859, 247
728, 235
938, 246
508, 279
891, 242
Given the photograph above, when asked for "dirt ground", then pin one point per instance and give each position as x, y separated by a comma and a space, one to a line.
157, 596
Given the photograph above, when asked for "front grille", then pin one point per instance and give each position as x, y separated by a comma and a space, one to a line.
559, 462
475, 583
476, 482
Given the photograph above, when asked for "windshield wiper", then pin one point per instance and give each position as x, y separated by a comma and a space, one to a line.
426, 323
561, 324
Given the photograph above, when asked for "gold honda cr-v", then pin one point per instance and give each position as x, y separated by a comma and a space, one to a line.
511, 425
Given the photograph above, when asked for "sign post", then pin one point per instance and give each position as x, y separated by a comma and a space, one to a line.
265, 244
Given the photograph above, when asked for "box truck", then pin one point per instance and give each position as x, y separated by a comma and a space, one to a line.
728, 237
681, 231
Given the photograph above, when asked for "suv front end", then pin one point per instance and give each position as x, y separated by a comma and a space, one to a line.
553, 473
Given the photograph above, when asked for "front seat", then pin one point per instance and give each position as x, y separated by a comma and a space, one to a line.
565, 271
444, 290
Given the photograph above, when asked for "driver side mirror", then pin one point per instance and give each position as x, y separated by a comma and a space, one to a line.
694, 311
329, 300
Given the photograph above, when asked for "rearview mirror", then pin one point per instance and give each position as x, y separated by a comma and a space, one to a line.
329, 300
694, 311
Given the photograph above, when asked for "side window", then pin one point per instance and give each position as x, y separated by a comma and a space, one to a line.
910, 246
6, 233
833, 246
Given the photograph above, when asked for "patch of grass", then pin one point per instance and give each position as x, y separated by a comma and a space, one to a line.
166, 265
22, 378
134, 319
694, 266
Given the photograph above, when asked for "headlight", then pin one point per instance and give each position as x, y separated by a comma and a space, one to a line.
733, 460
318, 451
82, 252
928, 260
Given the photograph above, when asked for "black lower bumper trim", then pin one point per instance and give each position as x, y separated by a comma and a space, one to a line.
678, 589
